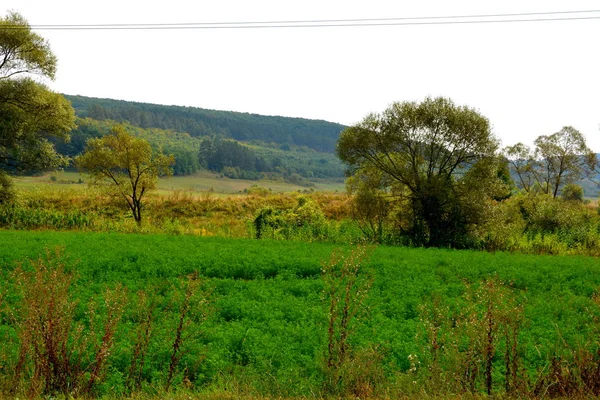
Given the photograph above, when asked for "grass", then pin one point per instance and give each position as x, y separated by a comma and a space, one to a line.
266, 332
195, 184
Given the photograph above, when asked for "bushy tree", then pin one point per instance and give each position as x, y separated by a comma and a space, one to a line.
125, 166
424, 150
30, 113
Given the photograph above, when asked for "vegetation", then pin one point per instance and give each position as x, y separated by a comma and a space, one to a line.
416, 151
125, 166
29, 112
228, 157
559, 159
94, 312
526, 222
261, 309
282, 131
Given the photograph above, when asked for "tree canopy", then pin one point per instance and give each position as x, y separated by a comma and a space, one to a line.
125, 166
558, 160
435, 157
30, 113
271, 130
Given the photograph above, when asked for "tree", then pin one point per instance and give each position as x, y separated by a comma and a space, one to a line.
563, 158
426, 150
522, 162
30, 113
558, 160
125, 166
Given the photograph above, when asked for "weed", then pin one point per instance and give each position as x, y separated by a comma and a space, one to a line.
189, 304
115, 301
144, 312
346, 288
53, 347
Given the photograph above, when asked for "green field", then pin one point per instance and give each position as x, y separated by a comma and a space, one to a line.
197, 183
268, 313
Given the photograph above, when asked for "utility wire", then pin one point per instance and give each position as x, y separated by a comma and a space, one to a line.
146, 27
400, 21
327, 20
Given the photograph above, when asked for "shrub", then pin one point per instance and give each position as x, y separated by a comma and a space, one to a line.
572, 192
7, 193
346, 287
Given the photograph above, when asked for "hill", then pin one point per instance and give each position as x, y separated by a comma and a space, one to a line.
281, 131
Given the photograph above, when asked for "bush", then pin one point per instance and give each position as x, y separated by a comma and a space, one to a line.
7, 193
572, 192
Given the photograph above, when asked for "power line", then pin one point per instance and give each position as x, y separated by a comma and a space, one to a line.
326, 20
126, 27
358, 22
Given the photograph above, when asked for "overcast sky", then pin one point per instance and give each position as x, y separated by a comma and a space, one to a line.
528, 78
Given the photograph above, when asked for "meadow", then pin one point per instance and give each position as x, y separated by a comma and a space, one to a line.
257, 321
195, 184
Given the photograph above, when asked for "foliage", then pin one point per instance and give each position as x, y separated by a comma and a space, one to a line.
558, 160
57, 355
30, 112
281, 131
229, 157
572, 192
564, 158
522, 164
125, 165
526, 222
346, 287
537, 223
305, 215
422, 149
463, 345
7, 193
270, 317
218, 154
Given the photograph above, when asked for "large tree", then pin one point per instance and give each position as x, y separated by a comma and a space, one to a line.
431, 152
30, 113
125, 166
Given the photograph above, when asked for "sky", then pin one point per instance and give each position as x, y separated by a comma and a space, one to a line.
528, 78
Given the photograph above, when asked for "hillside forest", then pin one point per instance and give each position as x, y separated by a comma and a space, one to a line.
236, 145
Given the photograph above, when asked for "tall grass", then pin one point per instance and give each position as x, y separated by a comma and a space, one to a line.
179, 213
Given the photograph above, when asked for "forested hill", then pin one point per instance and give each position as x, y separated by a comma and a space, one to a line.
315, 134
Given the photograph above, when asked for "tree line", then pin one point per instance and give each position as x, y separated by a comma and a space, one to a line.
227, 156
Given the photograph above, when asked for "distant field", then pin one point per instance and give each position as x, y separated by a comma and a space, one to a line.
269, 314
200, 182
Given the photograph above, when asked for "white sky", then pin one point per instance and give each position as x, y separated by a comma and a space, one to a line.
528, 78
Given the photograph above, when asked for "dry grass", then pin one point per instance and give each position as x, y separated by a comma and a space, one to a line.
79, 207
196, 184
